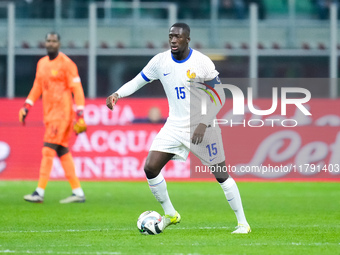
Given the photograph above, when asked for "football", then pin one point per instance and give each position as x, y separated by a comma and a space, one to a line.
148, 223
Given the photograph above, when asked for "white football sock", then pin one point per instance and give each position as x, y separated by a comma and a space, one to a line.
233, 196
78, 192
40, 191
160, 192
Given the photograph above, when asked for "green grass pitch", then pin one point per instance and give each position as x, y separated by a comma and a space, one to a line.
286, 218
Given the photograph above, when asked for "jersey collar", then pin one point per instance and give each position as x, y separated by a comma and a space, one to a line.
183, 60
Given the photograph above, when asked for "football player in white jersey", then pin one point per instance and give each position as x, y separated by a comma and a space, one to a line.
182, 71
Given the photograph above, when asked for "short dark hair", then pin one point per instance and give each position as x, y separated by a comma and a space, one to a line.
53, 33
184, 26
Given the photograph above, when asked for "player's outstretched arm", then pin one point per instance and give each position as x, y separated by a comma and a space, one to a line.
111, 101
126, 90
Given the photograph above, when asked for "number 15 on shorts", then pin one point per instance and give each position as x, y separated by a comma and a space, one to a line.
212, 149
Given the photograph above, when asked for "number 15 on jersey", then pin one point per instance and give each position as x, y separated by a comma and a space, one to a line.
180, 92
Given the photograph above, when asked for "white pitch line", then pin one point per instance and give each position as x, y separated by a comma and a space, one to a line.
124, 229
99, 230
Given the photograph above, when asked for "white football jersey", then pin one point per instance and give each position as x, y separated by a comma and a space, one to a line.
179, 79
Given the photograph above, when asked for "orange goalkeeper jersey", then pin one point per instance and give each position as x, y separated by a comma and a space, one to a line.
55, 81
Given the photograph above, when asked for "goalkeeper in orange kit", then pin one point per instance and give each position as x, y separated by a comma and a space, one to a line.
56, 80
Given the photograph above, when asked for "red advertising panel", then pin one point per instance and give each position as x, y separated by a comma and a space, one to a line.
117, 142
290, 146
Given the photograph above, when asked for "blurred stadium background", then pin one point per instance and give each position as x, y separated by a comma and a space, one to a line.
283, 43
111, 41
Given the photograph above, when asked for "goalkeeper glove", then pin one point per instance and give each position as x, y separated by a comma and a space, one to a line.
79, 125
23, 112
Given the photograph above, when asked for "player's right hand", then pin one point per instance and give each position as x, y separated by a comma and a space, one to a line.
111, 101
23, 113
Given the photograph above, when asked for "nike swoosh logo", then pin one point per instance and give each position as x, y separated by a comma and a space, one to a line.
212, 159
165, 74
